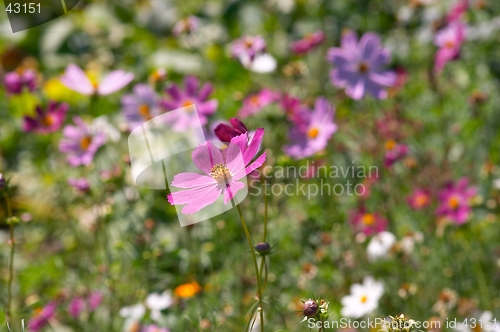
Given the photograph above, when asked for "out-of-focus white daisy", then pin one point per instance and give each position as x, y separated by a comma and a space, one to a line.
158, 302
132, 314
363, 298
262, 63
380, 245
485, 323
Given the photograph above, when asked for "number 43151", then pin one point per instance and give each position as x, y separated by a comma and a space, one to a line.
25, 8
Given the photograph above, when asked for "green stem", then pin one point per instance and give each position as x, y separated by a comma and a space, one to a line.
11, 262
265, 218
252, 250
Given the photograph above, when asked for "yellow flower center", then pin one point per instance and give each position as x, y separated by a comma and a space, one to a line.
389, 145
453, 202
421, 200
254, 100
313, 132
363, 67
248, 42
368, 219
364, 299
221, 174
187, 290
449, 44
48, 120
186, 103
85, 142
144, 111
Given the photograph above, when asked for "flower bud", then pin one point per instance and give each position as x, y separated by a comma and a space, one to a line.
223, 132
238, 126
310, 308
263, 248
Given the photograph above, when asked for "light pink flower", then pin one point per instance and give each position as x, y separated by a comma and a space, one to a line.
222, 174
186, 25
457, 11
449, 40
255, 103
74, 78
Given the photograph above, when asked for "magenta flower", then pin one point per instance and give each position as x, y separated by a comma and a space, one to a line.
74, 78
419, 199
76, 307
394, 152
458, 10
16, 81
80, 143
94, 300
360, 66
81, 184
295, 110
41, 319
367, 222
226, 132
248, 47
255, 103
192, 94
139, 106
455, 201
222, 174
449, 40
154, 328
188, 25
308, 43
312, 136
46, 121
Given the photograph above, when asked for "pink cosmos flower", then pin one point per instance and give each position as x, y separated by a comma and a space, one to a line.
308, 43
248, 47
419, 199
457, 11
222, 174
191, 94
255, 103
154, 328
226, 132
46, 121
74, 78
140, 106
41, 319
81, 184
455, 202
367, 222
449, 40
313, 135
16, 81
394, 152
360, 66
78, 304
187, 25
295, 110
80, 143
76, 307
94, 300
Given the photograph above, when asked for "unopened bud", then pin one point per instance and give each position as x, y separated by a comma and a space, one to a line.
310, 308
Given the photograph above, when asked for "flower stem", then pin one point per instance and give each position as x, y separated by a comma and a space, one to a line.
11, 262
254, 258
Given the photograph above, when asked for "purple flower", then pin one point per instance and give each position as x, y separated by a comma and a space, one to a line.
313, 135
226, 132
41, 319
449, 40
17, 80
192, 94
255, 103
81, 184
76, 307
367, 223
247, 47
140, 106
394, 152
75, 79
360, 66
46, 121
455, 202
222, 174
295, 110
187, 25
80, 143
154, 328
308, 43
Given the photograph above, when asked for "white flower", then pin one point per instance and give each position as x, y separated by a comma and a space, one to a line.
261, 63
485, 323
132, 314
158, 302
363, 298
380, 245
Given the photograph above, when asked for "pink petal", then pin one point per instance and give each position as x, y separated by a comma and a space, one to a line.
74, 78
206, 156
114, 81
231, 191
254, 146
190, 180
